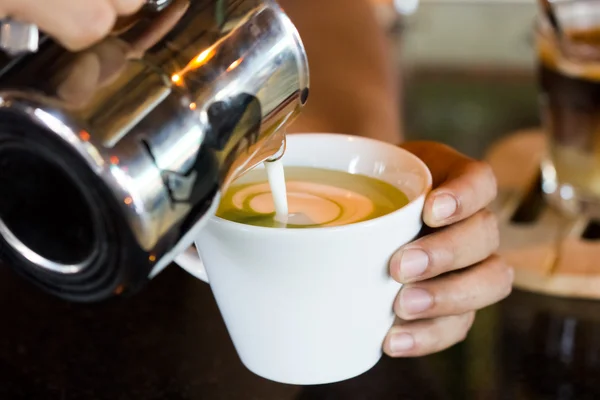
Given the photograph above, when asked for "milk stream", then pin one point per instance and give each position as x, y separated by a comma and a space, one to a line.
276, 177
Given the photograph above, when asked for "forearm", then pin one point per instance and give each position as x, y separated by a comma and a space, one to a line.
353, 88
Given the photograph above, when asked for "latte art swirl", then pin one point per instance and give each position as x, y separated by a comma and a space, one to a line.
308, 203
316, 197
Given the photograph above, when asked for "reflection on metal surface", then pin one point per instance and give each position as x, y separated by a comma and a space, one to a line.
157, 5
184, 100
37, 258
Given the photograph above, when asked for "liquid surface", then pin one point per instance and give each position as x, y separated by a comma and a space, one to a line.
315, 197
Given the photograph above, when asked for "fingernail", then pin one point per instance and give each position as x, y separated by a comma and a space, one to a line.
413, 263
401, 342
444, 206
415, 300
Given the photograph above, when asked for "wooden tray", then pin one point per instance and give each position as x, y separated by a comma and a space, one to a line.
551, 253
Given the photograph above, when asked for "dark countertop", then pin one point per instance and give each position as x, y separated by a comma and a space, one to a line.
169, 342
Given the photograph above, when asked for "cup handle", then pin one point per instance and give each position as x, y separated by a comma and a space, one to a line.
191, 262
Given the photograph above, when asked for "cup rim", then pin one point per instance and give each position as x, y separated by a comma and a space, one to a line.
357, 225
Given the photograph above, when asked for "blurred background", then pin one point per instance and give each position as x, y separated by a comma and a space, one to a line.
466, 66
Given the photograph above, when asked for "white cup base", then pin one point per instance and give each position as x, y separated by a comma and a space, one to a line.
316, 377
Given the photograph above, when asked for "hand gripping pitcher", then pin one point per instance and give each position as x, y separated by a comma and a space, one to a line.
111, 158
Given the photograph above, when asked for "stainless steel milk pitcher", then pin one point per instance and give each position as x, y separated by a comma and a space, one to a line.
111, 158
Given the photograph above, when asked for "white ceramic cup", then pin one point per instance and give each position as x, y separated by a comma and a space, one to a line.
313, 305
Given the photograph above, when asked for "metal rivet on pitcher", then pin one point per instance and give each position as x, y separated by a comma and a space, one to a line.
18, 37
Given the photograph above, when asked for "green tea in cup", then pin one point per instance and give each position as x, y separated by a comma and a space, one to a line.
316, 197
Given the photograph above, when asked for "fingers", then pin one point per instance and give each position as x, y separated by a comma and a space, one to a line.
457, 246
468, 189
462, 185
80, 24
456, 293
448, 274
127, 7
419, 338
75, 24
